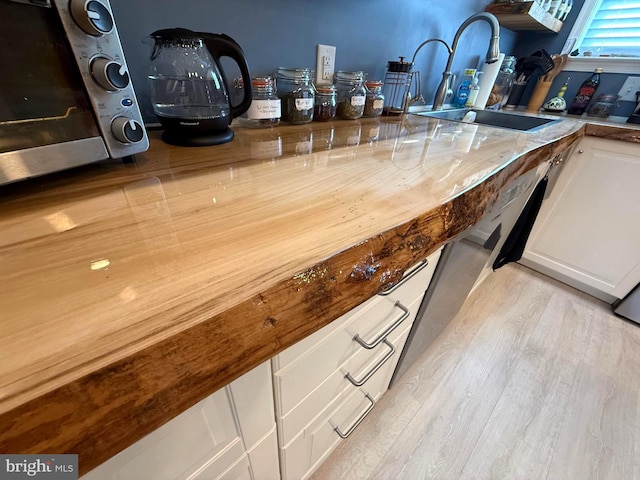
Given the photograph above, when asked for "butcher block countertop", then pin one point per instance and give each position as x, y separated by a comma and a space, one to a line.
130, 291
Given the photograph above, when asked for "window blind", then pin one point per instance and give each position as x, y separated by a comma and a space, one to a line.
614, 29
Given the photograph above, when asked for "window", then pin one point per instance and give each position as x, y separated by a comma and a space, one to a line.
607, 31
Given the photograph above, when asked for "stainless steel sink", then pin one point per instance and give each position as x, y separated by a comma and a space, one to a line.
511, 121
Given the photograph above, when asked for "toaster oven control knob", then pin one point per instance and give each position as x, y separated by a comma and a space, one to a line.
109, 74
91, 16
127, 130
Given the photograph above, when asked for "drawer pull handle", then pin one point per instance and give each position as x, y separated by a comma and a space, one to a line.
358, 422
370, 373
386, 333
407, 276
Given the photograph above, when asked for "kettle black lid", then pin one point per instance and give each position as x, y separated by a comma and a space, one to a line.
176, 34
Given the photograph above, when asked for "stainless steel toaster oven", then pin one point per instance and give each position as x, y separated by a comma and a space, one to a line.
66, 98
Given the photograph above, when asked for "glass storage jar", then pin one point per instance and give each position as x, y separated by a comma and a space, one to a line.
351, 94
503, 85
296, 93
325, 103
375, 99
265, 105
603, 105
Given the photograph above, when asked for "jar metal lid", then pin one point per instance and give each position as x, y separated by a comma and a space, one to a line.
294, 72
356, 75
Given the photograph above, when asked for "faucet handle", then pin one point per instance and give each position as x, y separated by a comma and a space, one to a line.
451, 83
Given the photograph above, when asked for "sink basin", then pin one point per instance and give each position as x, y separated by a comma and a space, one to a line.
511, 121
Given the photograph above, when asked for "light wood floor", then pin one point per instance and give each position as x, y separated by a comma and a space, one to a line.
532, 380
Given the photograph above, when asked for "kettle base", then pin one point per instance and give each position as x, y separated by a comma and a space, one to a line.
199, 139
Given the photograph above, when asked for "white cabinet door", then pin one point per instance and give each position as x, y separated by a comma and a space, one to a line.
230, 434
588, 231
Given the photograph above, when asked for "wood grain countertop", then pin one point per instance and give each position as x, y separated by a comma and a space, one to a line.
132, 291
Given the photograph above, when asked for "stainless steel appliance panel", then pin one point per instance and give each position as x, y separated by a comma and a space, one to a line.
629, 307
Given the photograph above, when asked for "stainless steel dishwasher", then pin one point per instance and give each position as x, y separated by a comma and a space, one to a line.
464, 263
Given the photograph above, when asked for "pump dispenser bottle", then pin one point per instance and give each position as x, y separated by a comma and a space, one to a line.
462, 94
473, 91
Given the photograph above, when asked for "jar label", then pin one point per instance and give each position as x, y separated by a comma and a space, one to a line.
304, 103
358, 100
377, 104
263, 109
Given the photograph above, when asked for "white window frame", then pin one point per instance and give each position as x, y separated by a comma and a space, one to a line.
588, 64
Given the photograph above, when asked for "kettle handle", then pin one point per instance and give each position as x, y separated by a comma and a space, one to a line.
221, 45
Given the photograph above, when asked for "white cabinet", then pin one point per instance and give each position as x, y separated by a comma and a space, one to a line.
588, 231
327, 383
229, 435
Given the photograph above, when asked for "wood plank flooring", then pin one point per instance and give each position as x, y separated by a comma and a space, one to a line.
531, 380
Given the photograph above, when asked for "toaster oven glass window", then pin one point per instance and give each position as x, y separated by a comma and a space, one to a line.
42, 100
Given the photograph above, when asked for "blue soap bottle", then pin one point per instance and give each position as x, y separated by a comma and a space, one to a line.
462, 94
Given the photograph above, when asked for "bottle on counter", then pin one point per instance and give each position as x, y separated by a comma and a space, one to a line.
473, 90
462, 93
585, 93
265, 105
297, 95
557, 103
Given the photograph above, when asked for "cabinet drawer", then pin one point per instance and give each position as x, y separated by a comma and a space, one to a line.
406, 291
301, 377
337, 384
309, 449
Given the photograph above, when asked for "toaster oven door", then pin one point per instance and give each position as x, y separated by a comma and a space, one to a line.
46, 121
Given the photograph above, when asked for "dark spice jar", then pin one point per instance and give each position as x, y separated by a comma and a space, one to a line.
297, 94
375, 99
325, 103
351, 94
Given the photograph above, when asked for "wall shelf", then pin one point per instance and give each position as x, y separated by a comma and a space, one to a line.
524, 16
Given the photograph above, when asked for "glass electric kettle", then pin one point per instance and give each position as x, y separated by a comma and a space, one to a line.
189, 87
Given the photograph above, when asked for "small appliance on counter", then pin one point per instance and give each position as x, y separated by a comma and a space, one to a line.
397, 87
66, 98
189, 89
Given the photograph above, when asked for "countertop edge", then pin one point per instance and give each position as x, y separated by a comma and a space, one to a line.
102, 413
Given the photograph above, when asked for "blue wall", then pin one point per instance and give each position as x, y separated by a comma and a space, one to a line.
272, 33
367, 34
